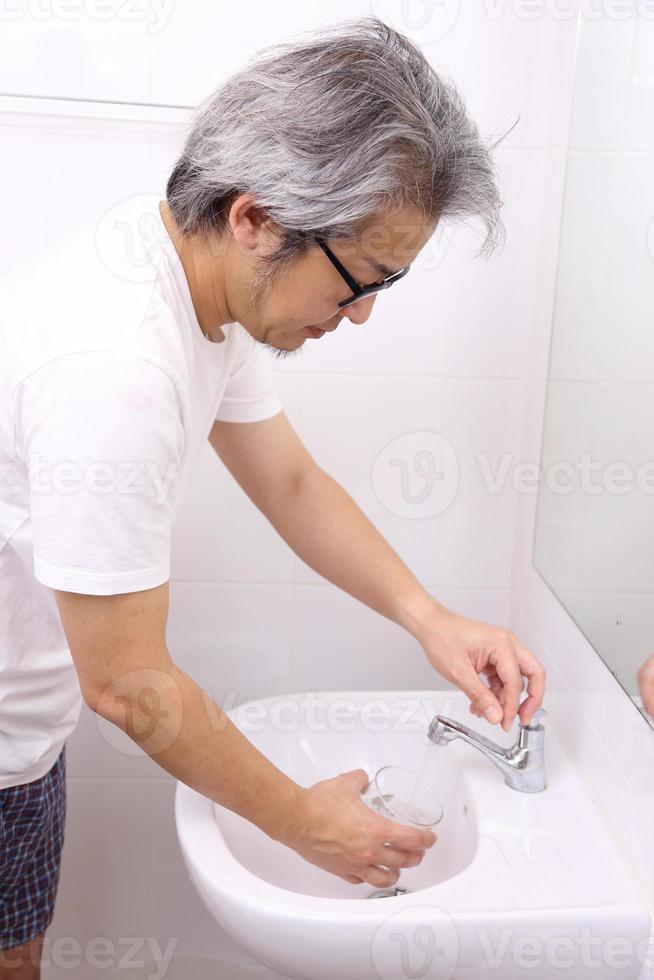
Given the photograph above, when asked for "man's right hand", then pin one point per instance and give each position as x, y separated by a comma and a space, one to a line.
335, 830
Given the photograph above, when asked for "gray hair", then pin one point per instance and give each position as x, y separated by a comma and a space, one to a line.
328, 134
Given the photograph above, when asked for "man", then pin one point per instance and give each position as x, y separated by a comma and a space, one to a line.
308, 182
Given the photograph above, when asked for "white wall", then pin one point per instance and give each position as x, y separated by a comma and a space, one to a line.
460, 351
607, 738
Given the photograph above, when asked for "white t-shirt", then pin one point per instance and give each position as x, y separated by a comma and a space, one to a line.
108, 388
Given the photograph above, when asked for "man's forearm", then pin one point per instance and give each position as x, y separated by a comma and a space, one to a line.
185, 732
330, 532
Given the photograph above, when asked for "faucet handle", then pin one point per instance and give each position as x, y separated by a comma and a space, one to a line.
535, 723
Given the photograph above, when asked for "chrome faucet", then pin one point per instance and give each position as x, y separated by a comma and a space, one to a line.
522, 765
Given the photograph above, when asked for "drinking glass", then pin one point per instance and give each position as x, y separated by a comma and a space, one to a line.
396, 792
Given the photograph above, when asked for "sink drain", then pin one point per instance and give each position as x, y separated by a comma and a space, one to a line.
388, 893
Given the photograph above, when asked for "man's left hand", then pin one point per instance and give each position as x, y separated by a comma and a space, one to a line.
461, 649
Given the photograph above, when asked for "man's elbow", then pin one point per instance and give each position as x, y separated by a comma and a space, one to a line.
118, 646
148, 704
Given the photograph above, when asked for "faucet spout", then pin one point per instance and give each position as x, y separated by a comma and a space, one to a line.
522, 765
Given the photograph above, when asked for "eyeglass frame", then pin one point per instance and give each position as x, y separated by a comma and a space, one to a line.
359, 290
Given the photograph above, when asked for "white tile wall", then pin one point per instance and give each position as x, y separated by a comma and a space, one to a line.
602, 81
347, 421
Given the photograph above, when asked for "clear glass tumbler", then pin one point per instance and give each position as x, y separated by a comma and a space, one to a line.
396, 793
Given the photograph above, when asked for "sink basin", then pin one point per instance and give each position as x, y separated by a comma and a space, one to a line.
516, 884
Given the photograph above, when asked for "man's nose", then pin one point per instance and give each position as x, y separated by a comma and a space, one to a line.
360, 310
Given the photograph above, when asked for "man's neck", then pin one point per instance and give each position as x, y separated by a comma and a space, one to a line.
201, 276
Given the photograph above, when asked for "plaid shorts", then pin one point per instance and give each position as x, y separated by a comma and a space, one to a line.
32, 818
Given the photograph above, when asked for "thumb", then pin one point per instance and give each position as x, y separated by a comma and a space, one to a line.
355, 781
482, 697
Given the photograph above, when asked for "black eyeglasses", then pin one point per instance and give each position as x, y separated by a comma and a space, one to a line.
358, 290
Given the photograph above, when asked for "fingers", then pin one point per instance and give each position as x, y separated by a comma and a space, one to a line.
395, 857
387, 872
478, 707
510, 677
506, 680
407, 838
483, 702
646, 684
495, 685
401, 846
388, 863
534, 671
380, 877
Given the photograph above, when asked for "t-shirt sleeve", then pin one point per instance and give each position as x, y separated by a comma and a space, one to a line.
102, 437
250, 395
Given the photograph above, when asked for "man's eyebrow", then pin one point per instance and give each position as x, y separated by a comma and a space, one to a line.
380, 267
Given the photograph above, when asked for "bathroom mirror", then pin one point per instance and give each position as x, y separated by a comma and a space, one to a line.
594, 536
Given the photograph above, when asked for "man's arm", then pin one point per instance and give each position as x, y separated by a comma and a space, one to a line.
126, 675
326, 528
318, 519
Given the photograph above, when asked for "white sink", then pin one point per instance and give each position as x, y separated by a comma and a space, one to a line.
517, 884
